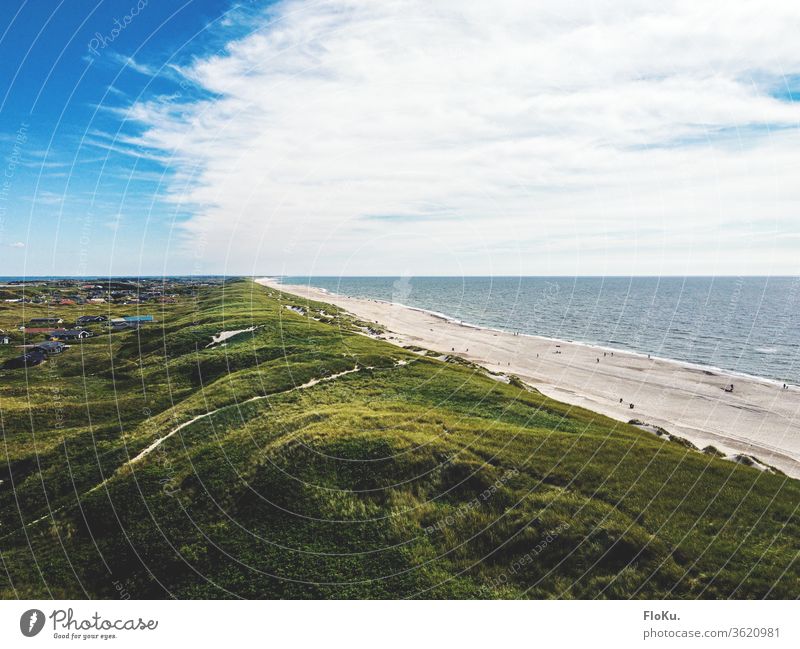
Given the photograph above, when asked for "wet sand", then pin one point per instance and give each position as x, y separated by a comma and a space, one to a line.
758, 418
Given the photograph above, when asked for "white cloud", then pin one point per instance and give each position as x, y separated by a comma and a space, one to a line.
16, 244
512, 137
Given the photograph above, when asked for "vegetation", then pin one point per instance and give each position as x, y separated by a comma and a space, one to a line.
401, 475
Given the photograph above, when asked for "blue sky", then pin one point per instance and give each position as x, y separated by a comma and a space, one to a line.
353, 137
75, 191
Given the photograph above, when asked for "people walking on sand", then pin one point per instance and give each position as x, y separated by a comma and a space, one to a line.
630, 406
620, 399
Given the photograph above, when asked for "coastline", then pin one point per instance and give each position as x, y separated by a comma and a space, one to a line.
758, 419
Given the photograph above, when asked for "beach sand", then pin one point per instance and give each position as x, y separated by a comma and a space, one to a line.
758, 418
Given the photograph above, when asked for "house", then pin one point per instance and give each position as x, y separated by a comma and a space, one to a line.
71, 334
4, 339
41, 322
118, 324
39, 330
51, 347
137, 318
86, 319
29, 359
96, 300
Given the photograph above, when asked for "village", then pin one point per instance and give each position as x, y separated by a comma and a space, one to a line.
39, 337
55, 338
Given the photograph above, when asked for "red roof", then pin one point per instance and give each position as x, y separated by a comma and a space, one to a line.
42, 330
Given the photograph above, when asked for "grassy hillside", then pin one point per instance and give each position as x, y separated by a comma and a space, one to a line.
396, 475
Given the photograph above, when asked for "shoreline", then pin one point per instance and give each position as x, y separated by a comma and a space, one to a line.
443, 316
275, 282
758, 419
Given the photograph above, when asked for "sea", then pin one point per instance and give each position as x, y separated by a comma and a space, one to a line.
747, 325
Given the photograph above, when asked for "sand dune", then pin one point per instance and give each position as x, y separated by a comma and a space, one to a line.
758, 418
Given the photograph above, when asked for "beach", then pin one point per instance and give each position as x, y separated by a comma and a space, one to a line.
758, 418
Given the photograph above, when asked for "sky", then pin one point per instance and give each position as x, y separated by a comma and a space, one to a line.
399, 138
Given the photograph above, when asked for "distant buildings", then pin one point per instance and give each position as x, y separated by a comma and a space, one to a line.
51, 347
88, 319
41, 322
39, 330
71, 334
118, 324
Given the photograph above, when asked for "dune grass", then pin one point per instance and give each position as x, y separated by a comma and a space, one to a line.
410, 477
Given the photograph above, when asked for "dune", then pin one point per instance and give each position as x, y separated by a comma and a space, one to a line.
758, 419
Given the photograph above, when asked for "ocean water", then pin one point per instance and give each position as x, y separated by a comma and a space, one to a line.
743, 324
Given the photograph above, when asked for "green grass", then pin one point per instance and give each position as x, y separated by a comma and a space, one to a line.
411, 477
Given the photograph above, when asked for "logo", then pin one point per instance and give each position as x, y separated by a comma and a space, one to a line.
31, 622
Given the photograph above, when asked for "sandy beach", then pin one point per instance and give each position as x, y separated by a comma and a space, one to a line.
759, 418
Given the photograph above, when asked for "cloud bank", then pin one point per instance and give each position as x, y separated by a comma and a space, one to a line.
360, 137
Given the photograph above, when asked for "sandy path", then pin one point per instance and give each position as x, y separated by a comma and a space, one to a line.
152, 447
759, 418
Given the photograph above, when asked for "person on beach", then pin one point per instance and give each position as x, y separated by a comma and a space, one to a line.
630, 406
